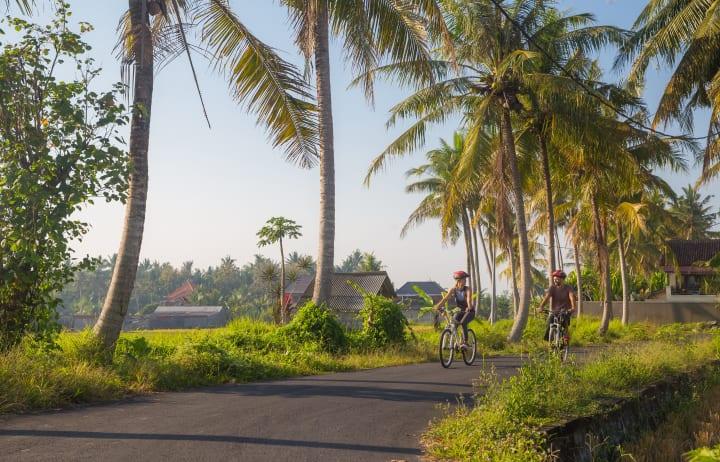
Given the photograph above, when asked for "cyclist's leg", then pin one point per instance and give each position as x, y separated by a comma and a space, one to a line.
469, 316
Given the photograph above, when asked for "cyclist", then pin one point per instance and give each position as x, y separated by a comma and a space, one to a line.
462, 296
563, 301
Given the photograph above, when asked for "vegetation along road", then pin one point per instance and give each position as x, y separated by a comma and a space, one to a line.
369, 415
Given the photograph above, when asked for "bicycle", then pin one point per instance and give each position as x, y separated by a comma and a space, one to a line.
558, 336
451, 341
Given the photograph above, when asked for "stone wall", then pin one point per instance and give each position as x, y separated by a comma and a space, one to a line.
660, 312
597, 437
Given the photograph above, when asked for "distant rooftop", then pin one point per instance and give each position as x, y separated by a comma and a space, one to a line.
187, 310
688, 253
429, 287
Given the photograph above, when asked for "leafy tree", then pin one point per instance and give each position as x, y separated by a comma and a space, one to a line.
694, 216
369, 30
155, 32
684, 35
58, 152
275, 230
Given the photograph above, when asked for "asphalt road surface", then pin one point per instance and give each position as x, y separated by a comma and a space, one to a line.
373, 415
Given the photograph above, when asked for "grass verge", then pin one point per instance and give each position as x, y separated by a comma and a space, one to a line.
505, 423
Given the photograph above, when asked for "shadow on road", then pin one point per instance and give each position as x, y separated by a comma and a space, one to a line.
209, 438
294, 390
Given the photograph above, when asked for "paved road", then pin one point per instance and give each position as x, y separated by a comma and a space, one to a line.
374, 415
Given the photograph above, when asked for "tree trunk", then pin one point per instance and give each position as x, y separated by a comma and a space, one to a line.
283, 308
476, 265
623, 275
110, 322
524, 251
552, 264
604, 263
468, 248
326, 247
578, 273
490, 272
513, 276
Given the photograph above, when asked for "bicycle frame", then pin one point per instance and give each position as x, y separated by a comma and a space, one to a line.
451, 324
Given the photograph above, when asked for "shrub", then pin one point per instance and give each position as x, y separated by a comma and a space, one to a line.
383, 321
316, 325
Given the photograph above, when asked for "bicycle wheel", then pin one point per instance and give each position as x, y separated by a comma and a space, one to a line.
447, 348
553, 338
565, 348
471, 350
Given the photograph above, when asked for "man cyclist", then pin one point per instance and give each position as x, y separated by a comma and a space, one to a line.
563, 301
462, 296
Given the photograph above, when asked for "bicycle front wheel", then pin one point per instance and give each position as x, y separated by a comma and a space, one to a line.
471, 350
447, 348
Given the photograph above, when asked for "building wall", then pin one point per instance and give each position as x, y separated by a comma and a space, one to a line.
660, 312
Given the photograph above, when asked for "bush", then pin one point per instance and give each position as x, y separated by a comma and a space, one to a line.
383, 321
316, 324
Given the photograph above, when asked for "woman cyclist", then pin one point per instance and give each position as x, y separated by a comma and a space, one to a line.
462, 296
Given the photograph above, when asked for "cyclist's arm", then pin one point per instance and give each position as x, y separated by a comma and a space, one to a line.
468, 297
544, 301
439, 304
573, 302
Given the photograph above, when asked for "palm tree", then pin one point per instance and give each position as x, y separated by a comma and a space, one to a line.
370, 30
693, 215
370, 263
497, 65
155, 31
275, 230
685, 36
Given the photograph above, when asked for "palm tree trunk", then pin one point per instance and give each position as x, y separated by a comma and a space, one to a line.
476, 265
110, 322
578, 273
283, 309
552, 264
326, 247
468, 247
604, 263
513, 276
490, 272
623, 275
524, 251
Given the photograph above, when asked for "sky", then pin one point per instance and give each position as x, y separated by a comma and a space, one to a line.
211, 189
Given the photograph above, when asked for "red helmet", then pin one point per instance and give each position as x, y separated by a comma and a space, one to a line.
559, 274
460, 275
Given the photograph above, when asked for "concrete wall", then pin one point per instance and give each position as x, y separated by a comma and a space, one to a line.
660, 312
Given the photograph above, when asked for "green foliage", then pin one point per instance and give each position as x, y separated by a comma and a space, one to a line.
58, 152
383, 320
33, 377
506, 423
704, 455
276, 229
316, 324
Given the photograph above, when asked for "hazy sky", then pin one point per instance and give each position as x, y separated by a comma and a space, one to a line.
211, 190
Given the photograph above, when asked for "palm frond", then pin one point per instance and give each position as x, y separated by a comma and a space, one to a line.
262, 81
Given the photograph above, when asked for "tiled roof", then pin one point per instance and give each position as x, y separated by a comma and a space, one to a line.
429, 287
181, 292
187, 310
688, 253
300, 285
345, 298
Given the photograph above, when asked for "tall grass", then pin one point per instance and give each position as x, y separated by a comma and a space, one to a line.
505, 424
31, 378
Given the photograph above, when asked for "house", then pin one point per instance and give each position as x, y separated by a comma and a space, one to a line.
180, 296
185, 317
431, 288
345, 300
297, 290
414, 303
687, 277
